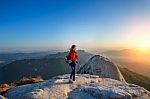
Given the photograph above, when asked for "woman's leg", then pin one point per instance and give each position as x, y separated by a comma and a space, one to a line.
73, 65
74, 71
71, 72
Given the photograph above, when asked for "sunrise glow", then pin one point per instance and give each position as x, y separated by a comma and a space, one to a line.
144, 44
143, 47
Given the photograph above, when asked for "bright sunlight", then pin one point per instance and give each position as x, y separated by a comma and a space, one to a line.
144, 45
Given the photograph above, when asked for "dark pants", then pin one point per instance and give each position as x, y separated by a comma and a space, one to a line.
73, 72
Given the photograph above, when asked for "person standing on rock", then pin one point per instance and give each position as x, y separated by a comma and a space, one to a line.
73, 56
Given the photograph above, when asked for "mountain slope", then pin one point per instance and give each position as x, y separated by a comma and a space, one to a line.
99, 65
32, 67
86, 87
135, 78
133, 60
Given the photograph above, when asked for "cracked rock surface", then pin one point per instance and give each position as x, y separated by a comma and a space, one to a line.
86, 87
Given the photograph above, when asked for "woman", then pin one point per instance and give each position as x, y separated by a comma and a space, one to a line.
73, 58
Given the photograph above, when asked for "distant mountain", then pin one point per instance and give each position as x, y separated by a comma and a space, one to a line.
131, 59
2, 63
10, 57
135, 78
47, 67
119, 53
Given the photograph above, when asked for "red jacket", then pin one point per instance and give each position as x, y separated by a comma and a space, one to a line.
74, 56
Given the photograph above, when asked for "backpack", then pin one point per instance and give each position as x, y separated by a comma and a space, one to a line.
68, 57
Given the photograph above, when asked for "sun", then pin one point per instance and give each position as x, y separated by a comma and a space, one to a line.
144, 45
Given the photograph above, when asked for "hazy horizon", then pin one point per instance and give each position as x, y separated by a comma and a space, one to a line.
95, 51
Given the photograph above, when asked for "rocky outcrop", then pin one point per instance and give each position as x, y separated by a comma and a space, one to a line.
103, 67
5, 87
86, 87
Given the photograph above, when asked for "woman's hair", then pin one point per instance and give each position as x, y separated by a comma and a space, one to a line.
72, 47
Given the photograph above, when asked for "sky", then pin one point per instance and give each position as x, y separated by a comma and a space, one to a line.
57, 24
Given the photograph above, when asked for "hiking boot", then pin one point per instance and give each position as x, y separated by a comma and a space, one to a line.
70, 81
74, 81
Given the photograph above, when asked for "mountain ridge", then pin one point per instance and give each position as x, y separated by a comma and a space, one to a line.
102, 66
